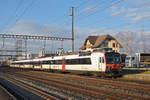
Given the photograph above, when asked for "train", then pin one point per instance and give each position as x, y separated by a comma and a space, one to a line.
97, 62
138, 60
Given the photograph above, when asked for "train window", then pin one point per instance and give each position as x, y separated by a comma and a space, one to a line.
32, 63
27, 63
71, 61
46, 62
58, 62
85, 61
21, 63
78, 61
102, 59
14, 63
36, 63
75, 61
53, 62
88, 61
67, 61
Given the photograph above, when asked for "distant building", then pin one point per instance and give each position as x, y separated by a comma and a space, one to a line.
24, 56
102, 41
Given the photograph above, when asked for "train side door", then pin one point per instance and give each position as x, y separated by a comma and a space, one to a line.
63, 64
41, 67
101, 63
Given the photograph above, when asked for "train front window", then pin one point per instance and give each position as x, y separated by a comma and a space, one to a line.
109, 60
112, 58
117, 58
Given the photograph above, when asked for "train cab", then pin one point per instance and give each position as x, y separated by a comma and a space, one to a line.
113, 62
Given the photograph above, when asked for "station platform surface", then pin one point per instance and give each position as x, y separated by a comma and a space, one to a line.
136, 73
144, 77
132, 68
4, 95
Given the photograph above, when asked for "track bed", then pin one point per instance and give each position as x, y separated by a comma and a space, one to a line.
74, 87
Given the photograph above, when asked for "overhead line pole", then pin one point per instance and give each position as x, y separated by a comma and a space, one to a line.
72, 29
143, 40
44, 45
3, 43
25, 46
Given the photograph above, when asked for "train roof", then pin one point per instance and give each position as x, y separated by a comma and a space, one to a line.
68, 56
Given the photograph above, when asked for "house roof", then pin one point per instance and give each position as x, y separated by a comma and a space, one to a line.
97, 40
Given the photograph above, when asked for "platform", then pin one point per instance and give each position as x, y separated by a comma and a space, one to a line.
132, 68
144, 77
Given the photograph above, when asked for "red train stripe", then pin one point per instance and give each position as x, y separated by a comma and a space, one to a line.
63, 65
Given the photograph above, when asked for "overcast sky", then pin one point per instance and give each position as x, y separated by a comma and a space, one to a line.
92, 17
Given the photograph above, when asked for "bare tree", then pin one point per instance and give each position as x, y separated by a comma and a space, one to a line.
129, 41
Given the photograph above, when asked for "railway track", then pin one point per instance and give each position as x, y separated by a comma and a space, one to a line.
93, 91
71, 87
66, 86
112, 82
30, 88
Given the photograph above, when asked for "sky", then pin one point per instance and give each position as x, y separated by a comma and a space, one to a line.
92, 17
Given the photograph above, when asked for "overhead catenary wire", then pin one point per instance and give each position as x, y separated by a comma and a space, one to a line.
129, 23
112, 4
66, 22
121, 24
14, 14
24, 11
99, 4
82, 3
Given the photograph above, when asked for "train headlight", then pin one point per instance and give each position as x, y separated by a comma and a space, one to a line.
120, 68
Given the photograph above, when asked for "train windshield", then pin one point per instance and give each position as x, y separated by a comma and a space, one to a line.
145, 57
112, 58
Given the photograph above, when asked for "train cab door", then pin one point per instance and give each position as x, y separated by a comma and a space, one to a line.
101, 63
41, 67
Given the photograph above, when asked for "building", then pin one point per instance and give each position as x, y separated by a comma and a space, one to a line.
102, 41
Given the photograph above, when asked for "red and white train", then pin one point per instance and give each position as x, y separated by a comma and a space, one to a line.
106, 62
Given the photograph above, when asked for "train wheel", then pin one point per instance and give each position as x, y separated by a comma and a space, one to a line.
53, 71
101, 75
87, 74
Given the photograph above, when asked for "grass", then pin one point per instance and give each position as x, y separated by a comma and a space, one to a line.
146, 72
